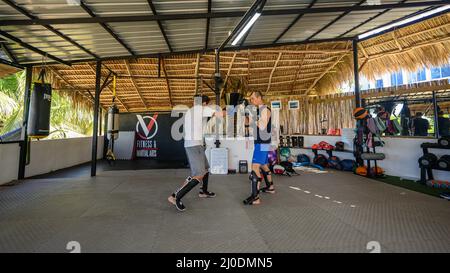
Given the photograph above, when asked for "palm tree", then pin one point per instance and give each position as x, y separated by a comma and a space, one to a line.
65, 117
11, 108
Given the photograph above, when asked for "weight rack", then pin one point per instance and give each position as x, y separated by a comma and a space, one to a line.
424, 171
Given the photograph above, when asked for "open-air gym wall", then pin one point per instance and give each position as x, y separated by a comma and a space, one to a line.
47, 156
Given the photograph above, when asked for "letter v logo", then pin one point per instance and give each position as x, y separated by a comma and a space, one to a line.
146, 130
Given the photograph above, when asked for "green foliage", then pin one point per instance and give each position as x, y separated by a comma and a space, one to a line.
65, 117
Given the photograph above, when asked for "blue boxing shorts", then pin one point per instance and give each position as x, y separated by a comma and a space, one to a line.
261, 154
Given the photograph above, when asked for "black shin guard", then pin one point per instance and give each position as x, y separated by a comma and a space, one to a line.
254, 179
191, 183
266, 179
204, 187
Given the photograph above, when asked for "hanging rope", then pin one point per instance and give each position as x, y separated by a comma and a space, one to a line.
41, 76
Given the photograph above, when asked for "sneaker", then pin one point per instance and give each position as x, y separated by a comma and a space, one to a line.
206, 194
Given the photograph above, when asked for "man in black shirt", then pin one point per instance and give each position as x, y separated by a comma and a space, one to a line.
420, 125
262, 124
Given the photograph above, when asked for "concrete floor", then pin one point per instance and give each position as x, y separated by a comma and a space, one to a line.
127, 211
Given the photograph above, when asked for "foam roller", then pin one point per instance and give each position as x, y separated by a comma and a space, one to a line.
372, 156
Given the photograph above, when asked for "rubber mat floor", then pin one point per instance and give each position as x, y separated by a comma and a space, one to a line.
127, 211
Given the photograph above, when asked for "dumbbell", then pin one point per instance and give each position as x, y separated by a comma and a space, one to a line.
444, 141
428, 160
444, 162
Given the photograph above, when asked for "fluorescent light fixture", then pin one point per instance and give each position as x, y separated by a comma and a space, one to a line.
404, 22
246, 28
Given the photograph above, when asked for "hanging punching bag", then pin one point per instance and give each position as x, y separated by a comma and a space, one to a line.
39, 115
113, 123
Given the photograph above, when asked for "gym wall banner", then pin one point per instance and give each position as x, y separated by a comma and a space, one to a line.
153, 137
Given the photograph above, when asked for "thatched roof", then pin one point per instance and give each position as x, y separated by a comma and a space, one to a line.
309, 69
6, 69
410, 48
336, 109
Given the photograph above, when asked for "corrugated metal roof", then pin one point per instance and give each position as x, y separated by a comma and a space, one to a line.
384, 19
180, 6
146, 37
268, 28
47, 9
186, 34
308, 25
219, 29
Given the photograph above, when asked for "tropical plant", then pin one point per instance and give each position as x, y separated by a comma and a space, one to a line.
65, 116
11, 109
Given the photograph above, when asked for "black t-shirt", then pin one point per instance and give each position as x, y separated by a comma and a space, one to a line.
420, 127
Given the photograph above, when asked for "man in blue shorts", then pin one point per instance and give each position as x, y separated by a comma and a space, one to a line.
262, 139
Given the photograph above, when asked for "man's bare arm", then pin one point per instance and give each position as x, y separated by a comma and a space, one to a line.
264, 119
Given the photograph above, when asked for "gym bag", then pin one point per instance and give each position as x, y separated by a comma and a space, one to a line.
339, 146
346, 165
302, 158
321, 160
287, 166
333, 162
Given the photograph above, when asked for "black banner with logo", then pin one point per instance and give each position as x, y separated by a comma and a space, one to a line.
153, 136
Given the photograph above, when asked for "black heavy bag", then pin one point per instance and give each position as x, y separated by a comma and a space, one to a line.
39, 115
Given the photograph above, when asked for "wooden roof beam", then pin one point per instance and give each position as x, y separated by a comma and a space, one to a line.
228, 74
324, 73
74, 88
112, 93
127, 64
197, 69
396, 41
167, 82
298, 70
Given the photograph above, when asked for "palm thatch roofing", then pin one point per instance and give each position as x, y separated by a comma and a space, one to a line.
7, 69
152, 84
